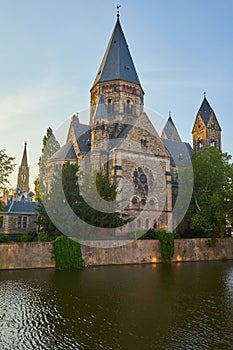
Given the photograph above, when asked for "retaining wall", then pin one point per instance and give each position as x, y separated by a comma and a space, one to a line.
26, 255
148, 251
39, 255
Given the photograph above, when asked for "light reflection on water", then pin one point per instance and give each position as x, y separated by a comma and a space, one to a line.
185, 306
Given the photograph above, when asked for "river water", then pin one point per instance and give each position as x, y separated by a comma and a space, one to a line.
182, 306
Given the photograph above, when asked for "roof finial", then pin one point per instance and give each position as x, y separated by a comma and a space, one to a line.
118, 10
204, 94
170, 114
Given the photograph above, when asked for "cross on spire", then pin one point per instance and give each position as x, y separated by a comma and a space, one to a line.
204, 94
118, 11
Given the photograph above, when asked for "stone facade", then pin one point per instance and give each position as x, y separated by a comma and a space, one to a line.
17, 224
206, 130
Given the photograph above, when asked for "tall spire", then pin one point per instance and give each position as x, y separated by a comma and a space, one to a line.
23, 174
117, 62
24, 158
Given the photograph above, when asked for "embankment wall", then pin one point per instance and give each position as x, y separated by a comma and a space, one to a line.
40, 255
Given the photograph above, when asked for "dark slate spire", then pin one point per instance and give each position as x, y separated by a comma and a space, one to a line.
24, 159
205, 110
169, 131
101, 110
117, 62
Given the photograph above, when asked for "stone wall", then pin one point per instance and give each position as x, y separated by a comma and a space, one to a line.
26, 255
148, 251
39, 255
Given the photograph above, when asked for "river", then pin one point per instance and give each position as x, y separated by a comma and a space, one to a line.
182, 306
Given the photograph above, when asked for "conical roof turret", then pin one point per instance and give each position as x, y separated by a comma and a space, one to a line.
117, 62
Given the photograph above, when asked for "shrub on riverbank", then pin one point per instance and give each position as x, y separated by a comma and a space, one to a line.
67, 254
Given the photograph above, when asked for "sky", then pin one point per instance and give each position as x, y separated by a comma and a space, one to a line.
51, 50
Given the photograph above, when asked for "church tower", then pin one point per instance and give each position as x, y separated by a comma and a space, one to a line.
206, 130
23, 174
118, 81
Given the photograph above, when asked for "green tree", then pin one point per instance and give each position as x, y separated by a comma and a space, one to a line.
7, 165
54, 202
50, 146
212, 200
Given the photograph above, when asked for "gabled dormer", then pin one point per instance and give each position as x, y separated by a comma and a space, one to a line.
206, 130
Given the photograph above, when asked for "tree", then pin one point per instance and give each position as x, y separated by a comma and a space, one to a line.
7, 165
52, 215
212, 200
50, 146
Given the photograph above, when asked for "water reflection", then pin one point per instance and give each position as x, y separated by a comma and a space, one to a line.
186, 306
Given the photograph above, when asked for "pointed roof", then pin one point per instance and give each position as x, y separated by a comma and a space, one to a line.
117, 62
170, 132
205, 111
101, 110
24, 158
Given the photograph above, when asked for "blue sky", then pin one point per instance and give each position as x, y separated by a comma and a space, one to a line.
51, 51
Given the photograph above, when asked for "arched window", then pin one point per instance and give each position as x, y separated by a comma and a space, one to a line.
200, 145
212, 143
128, 107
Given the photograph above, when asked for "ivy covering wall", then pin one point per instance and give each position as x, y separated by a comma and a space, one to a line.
67, 254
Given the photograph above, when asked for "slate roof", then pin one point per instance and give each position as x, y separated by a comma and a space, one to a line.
180, 152
170, 132
21, 207
65, 152
117, 62
205, 111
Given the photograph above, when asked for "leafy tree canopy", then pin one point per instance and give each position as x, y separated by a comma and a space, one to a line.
55, 200
212, 200
50, 146
7, 166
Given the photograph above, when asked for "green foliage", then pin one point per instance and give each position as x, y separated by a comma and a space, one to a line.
167, 246
45, 236
67, 254
7, 165
211, 208
50, 146
4, 239
150, 234
211, 242
26, 237
54, 203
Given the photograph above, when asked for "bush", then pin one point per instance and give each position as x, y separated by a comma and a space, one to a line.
44, 236
4, 239
67, 254
26, 237
150, 234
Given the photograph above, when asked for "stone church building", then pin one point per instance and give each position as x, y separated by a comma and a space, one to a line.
121, 140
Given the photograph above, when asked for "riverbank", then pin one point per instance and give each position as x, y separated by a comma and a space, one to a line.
40, 255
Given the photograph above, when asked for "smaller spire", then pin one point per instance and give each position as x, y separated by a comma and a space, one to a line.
118, 11
24, 158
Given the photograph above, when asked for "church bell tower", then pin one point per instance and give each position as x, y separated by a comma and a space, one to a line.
23, 174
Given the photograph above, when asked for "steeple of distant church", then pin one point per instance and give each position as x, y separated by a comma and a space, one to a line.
117, 79
23, 173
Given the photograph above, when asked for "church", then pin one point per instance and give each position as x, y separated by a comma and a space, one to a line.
121, 141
